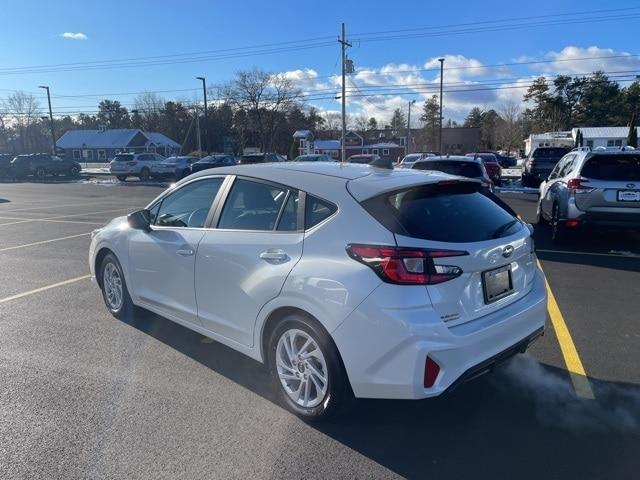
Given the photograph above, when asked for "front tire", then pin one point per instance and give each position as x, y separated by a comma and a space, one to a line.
121, 178
114, 288
74, 172
558, 233
306, 368
41, 173
145, 175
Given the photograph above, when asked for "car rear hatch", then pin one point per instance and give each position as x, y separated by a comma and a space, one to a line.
609, 183
480, 254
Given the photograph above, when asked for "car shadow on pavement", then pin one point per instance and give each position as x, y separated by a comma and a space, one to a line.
522, 421
618, 250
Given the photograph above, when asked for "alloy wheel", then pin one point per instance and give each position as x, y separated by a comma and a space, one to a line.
302, 368
112, 286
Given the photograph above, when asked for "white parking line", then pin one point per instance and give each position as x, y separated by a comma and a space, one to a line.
15, 247
615, 253
48, 206
67, 216
52, 221
42, 289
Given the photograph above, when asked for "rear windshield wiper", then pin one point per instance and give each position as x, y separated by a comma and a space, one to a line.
500, 230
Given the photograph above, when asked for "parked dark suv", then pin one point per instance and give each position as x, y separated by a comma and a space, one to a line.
5, 165
42, 164
539, 164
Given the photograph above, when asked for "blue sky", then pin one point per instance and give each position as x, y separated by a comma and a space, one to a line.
120, 30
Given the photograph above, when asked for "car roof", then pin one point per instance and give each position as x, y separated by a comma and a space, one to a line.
364, 181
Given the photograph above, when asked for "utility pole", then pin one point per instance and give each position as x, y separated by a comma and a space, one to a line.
206, 118
408, 149
53, 133
343, 44
441, 60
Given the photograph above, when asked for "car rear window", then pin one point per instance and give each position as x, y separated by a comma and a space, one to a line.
612, 167
458, 212
462, 169
253, 158
549, 153
123, 157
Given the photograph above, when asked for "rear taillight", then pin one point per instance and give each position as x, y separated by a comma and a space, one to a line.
406, 266
579, 185
131, 164
431, 371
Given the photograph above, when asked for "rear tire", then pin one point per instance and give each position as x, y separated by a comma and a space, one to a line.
296, 368
114, 288
540, 220
121, 178
40, 173
145, 175
74, 172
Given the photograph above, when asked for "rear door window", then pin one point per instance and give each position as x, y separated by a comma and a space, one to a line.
252, 206
624, 168
457, 213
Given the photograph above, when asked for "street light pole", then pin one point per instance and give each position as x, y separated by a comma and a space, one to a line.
441, 60
206, 118
408, 149
53, 133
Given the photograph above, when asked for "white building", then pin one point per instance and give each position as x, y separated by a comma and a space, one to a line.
602, 136
591, 137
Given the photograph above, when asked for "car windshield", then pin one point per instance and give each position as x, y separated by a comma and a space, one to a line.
453, 167
625, 168
412, 158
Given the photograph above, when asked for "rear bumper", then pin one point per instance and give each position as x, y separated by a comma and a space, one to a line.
614, 218
384, 346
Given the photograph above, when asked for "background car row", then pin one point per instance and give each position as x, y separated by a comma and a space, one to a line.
39, 165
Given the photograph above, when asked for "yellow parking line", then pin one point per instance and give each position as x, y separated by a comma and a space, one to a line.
567, 347
43, 242
42, 289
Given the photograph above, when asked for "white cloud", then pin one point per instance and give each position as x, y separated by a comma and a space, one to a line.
74, 36
467, 82
576, 60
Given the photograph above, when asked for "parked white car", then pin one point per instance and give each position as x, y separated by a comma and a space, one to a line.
134, 165
408, 284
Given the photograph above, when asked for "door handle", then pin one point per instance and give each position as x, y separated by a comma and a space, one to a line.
274, 256
185, 253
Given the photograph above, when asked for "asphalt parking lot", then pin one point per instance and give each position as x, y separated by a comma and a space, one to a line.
83, 395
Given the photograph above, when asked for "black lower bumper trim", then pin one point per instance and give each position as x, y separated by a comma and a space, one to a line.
491, 362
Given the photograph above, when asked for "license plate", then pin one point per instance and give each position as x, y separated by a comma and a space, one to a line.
629, 195
497, 283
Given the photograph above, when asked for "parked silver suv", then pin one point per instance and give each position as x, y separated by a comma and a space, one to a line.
134, 165
600, 188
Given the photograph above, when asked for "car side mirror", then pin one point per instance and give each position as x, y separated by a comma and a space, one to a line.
140, 220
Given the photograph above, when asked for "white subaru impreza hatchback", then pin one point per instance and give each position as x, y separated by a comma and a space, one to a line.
346, 280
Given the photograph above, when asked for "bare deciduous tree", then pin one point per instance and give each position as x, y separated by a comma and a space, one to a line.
266, 98
148, 105
510, 129
22, 110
